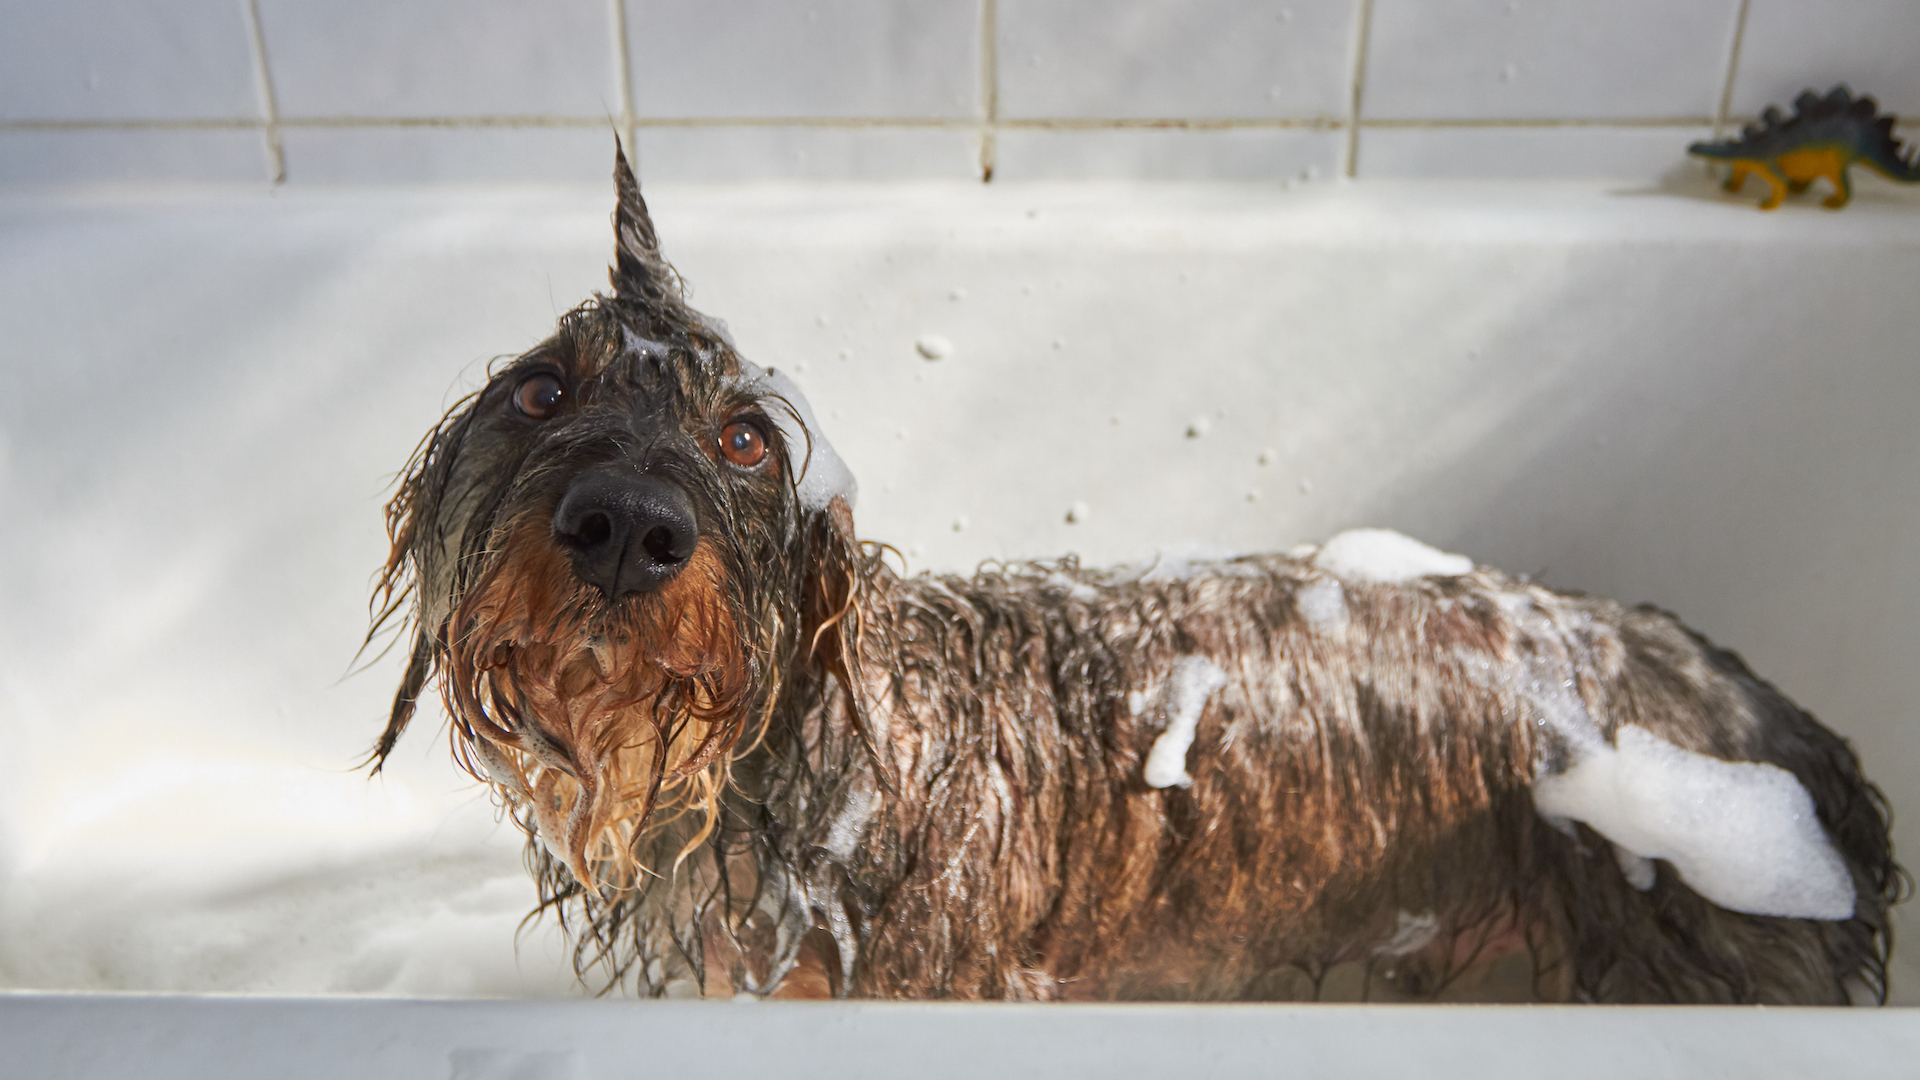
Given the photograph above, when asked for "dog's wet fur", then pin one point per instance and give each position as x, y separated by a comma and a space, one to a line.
751, 757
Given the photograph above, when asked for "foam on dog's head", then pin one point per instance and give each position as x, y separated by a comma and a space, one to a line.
823, 475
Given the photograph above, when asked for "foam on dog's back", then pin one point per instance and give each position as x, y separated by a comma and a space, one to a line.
1742, 834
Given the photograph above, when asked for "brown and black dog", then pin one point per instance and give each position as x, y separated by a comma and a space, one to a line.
750, 756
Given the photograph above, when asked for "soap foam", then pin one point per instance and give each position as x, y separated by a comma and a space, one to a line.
1322, 603
1192, 681
1742, 834
1411, 934
823, 475
1385, 556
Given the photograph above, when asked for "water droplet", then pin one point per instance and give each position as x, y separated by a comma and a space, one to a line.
934, 347
822, 319
1198, 426
1269, 456
960, 523
1078, 513
956, 294
1306, 487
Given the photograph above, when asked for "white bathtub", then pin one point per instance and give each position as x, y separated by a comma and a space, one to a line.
1656, 395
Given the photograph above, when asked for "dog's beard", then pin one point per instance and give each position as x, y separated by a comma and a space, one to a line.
592, 718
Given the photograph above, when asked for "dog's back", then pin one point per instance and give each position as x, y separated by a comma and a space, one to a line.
1355, 816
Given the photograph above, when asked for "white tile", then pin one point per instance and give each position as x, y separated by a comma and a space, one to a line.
1195, 59
804, 153
830, 58
1791, 45
57, 158
1241, 154
431, 155
1526, 153
441, 57
125, 59
1536, 59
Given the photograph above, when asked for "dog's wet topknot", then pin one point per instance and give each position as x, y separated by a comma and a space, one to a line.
823, 475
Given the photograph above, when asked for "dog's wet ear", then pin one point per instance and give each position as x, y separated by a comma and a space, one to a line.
640, 276
834, 565
838, 570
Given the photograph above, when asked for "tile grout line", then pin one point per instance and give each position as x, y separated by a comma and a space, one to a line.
623, 73
1526, 122
1362, 40
269, 105
1733, 68
989, 88
1314, 123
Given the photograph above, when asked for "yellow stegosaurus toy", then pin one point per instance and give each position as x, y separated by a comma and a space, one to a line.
1822, 137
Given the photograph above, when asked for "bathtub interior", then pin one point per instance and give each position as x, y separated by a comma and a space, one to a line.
1649, 392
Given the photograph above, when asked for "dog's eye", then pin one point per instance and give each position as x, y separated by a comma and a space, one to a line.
743, 444
540, 396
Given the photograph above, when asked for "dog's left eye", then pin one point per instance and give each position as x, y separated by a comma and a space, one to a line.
540, 396
742, 444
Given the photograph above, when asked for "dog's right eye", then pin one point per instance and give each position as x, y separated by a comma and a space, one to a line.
540, 396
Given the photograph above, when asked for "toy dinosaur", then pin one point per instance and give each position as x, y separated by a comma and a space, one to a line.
1822, 137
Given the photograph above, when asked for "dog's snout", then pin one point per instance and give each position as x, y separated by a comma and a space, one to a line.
627, 533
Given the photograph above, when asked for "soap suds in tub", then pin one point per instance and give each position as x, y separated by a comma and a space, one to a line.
1387, 557
1183, 697
1742, 834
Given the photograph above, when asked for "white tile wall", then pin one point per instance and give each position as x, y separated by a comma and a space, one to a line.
805, 153
842, 58
1520, 153
1284, 154
1537, 59
124, 59
139, 156
420, 58
428, 91
1791, 45
435, 155
1197, 58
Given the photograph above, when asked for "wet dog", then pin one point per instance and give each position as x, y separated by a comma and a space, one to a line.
750, 756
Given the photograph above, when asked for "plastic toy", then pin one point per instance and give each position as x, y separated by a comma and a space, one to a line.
1821, 139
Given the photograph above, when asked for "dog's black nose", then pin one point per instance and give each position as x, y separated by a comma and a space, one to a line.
627, 533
